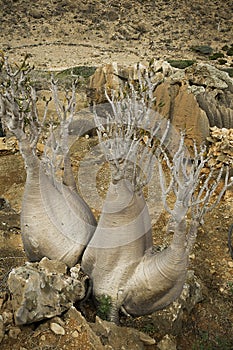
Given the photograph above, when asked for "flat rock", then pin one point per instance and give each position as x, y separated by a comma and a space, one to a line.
117, 337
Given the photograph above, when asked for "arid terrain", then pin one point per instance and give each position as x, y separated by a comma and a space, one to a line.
60, 34
63, 34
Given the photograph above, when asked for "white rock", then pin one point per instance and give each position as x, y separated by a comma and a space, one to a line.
146, 339
57, 329
75, 334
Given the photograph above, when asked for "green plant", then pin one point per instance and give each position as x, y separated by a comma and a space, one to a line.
203, 342
181, 64
222, 61
216, 55
79, 71
230, 287
104, 306
148, 328
229, 70
202, 49
223, 343
230, 51
225, 47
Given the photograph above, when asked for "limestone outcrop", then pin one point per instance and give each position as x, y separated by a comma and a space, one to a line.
194, 98
43, 290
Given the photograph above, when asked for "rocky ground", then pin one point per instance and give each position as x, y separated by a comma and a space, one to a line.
68, 33
61, 34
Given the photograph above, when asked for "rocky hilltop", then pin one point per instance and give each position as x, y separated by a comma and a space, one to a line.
76, 32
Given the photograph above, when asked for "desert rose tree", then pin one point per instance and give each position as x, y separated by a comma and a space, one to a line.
118, 254
125, 268
55, 220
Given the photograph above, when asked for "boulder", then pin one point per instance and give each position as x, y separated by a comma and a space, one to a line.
111, 76
43, 290
176, 103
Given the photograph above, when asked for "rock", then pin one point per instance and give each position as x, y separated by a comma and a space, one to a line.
7, 317
84, 335
2, 132
75, 334
167, 343
2, 329
220, 114
52, 266
9, 144
14, 332
203, 74
220, 149
176, 103
83, 124
37, 14
14, 195
111, 76
57, 329
216, 99
170, 319
42, 290
117, 337
193, 98
12, 173
146, 339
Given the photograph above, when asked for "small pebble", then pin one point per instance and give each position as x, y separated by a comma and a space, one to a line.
75, 334
146, 339
7, 317
230, 264
57, 329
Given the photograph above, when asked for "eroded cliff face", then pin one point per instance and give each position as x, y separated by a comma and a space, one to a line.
194, 98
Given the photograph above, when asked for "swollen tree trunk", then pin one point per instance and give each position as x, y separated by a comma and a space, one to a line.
159, 277
122, 236
55, 220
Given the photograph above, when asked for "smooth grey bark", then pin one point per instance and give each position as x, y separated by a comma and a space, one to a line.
122, 236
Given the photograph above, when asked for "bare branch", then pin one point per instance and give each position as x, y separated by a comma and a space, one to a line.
19, 103
193, 189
